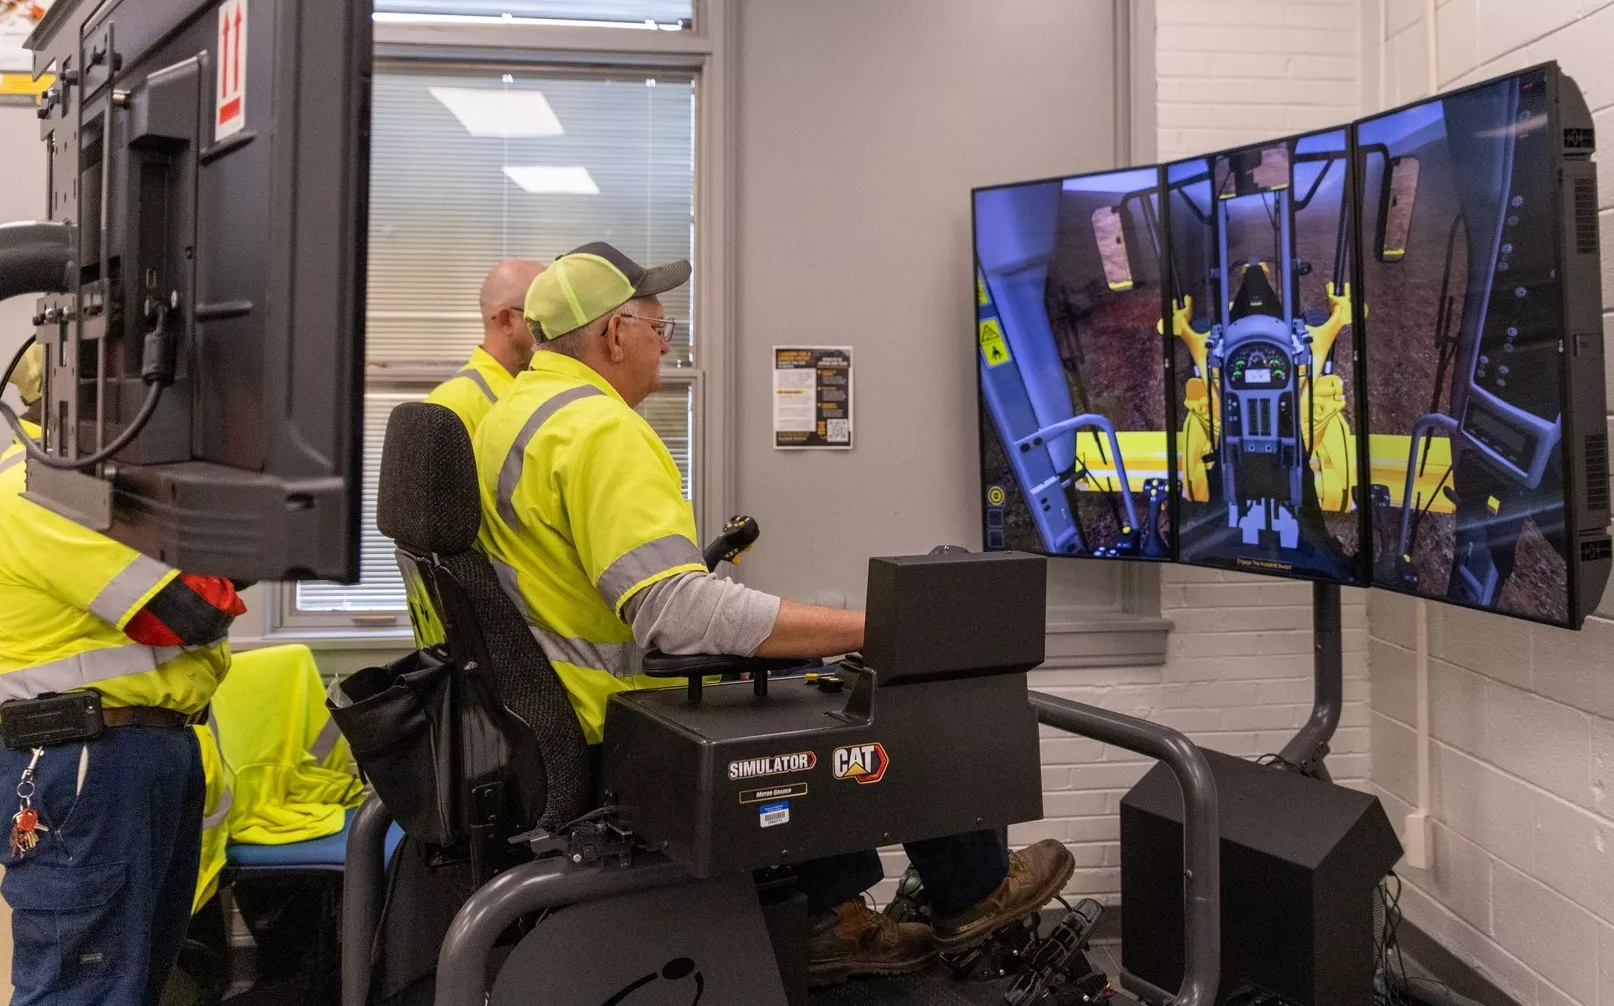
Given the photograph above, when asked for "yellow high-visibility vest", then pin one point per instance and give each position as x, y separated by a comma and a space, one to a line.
582, 508
290, 767
215, 820
474, 390
66, 593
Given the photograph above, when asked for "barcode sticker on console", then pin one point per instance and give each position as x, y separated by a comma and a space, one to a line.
775, 814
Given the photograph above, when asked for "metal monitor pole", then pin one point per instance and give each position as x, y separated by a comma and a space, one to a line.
1308, 748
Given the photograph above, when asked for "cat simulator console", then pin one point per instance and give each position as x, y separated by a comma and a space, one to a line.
928, 732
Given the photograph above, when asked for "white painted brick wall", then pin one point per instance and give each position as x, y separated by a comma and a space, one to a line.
1522, 885
1235, 72
1238, 677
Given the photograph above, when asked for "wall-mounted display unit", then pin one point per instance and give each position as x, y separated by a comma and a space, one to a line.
1368, 355
1264, 358
1484, 335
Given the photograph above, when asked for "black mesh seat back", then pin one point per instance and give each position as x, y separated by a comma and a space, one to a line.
529, 686
430, 506
428, 500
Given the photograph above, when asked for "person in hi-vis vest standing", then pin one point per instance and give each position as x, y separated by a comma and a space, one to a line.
107, 659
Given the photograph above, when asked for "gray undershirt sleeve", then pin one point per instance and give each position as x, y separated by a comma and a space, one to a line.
701, 613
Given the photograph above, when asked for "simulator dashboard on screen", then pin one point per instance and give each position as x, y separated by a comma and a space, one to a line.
1260, 304
1074, 451
1369, 355
1481, 289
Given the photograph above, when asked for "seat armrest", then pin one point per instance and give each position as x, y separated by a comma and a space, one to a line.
700, 665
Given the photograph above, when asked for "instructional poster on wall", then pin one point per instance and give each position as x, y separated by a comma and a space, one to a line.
812, 398
17, 21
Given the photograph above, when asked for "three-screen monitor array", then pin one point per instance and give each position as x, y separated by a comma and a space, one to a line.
1196, 362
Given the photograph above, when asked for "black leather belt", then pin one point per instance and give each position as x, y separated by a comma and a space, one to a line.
149, 716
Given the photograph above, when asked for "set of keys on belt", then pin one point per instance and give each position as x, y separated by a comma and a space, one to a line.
25, 826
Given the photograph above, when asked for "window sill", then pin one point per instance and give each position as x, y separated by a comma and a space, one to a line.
329, 639
1088, 638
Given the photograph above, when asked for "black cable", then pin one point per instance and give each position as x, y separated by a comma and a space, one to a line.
153, 396
158, 374
16, 361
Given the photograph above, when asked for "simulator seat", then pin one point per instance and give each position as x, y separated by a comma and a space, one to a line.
429, 505
747, 777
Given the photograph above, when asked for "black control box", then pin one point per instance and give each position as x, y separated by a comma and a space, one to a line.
928, 734
955, 613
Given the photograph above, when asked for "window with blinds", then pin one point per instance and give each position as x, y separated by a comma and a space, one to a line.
380, 589
664, 13
470, 167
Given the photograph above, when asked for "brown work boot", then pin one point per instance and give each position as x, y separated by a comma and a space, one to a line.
1036, 874
857, 940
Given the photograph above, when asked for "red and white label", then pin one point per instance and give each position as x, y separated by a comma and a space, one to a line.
230, 116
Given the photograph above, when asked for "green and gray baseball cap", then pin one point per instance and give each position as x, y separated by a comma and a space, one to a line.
591, 282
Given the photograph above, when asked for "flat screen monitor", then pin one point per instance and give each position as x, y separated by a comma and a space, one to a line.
209, 170
1264, 358
1485, 399
1075, 459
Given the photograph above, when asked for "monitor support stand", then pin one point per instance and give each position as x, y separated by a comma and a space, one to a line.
1308, 748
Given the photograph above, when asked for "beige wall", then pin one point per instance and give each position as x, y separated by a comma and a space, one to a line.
22, 197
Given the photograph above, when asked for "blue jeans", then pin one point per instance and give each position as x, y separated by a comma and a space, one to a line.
957, 871
100, 906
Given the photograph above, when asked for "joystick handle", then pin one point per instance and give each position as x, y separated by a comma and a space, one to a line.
739, 534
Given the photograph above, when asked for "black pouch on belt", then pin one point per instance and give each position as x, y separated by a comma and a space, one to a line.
50, 720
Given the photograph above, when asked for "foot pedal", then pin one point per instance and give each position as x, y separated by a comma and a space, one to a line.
1002, 954
1056, 969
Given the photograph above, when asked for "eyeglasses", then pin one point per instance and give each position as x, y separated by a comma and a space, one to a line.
665, 327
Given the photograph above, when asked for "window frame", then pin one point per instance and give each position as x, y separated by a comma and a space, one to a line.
701, 52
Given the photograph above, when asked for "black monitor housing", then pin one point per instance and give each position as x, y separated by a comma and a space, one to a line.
208, 181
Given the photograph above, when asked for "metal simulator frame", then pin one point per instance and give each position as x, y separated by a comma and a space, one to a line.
203, 273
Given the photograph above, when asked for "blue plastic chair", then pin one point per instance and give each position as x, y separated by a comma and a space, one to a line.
328, 853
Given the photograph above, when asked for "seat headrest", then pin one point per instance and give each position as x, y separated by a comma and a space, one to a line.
428, 499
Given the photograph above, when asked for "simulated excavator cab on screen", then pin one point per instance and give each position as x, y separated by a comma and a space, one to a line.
1260, 305
203, 278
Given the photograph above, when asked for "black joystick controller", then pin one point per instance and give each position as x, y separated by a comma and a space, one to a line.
739, 534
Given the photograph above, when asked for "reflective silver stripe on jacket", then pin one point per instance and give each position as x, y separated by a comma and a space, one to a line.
619, 660
83, 669
7, 464
325, 743
226, 801
637, 566
126, 589
516, 460
479, 381
510, 580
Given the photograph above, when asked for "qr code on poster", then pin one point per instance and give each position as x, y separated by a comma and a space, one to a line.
840, 431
